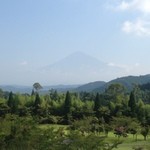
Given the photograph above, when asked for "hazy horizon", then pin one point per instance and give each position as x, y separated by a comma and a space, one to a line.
35, 34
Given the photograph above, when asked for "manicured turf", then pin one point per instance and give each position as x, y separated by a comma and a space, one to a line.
128, 142
46, 126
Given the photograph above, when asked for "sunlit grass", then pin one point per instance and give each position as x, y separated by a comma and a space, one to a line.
127, 142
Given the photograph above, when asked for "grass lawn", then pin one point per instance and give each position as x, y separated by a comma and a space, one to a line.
56, 126
128, 142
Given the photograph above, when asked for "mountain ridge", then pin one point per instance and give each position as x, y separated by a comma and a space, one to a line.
80, 68
97, 86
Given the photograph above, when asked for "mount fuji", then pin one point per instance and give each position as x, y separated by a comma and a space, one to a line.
79, 68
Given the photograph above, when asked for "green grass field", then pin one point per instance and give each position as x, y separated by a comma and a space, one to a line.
128, 142
56, 126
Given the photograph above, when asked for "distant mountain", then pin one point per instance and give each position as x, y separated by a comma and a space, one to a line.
128, 82
80, 68
90, 86
60, 88
16, 88
97, 86
28, 89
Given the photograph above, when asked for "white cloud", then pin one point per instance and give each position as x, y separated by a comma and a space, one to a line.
127, 68
123, 6
137, 64
140, 5
138, 27
24, 63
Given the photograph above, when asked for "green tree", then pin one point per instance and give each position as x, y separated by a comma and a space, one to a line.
67, 104
13, 103
67, 108
132, 104
134, 127
54, 94
140, 111
10, 100
37, 86
97, 104
144, 132
32, 93
1, 93
116, 92
37, 100
37, 104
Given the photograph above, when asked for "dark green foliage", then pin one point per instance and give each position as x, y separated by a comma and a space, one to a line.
145, 86
91, 86
67, 109
10, 100
132, 103
1, 93
17, 133
97, 102
86, 113
24, 134
86, 96
36, 105
127, 81
37, 100
4, 109
144, 132
32, 93
54, 95
67, 104
13, 103
37, 86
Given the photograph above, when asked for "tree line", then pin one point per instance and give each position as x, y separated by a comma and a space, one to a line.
115, 110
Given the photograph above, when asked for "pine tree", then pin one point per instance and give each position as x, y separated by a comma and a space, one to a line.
10, 100
37, 103
67, 104
37, 100
13, 103
97, 102
32, 93
132, 103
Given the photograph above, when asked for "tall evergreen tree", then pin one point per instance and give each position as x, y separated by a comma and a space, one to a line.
132, 103
10, 100
37, 103
13, 103
32, 93
67, 104
37, 100
97, 102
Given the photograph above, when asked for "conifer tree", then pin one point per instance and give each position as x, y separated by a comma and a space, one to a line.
13, 103
97, 102
67, 104
37, 103
132, 103
10, 100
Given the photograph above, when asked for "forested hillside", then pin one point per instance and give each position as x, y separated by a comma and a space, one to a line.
98, 86
86, 115
129, 82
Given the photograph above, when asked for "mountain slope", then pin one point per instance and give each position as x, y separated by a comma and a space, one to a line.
80, 68
90, 86
45, 89
128, 82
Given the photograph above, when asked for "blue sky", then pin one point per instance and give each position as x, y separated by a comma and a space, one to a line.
36, 33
